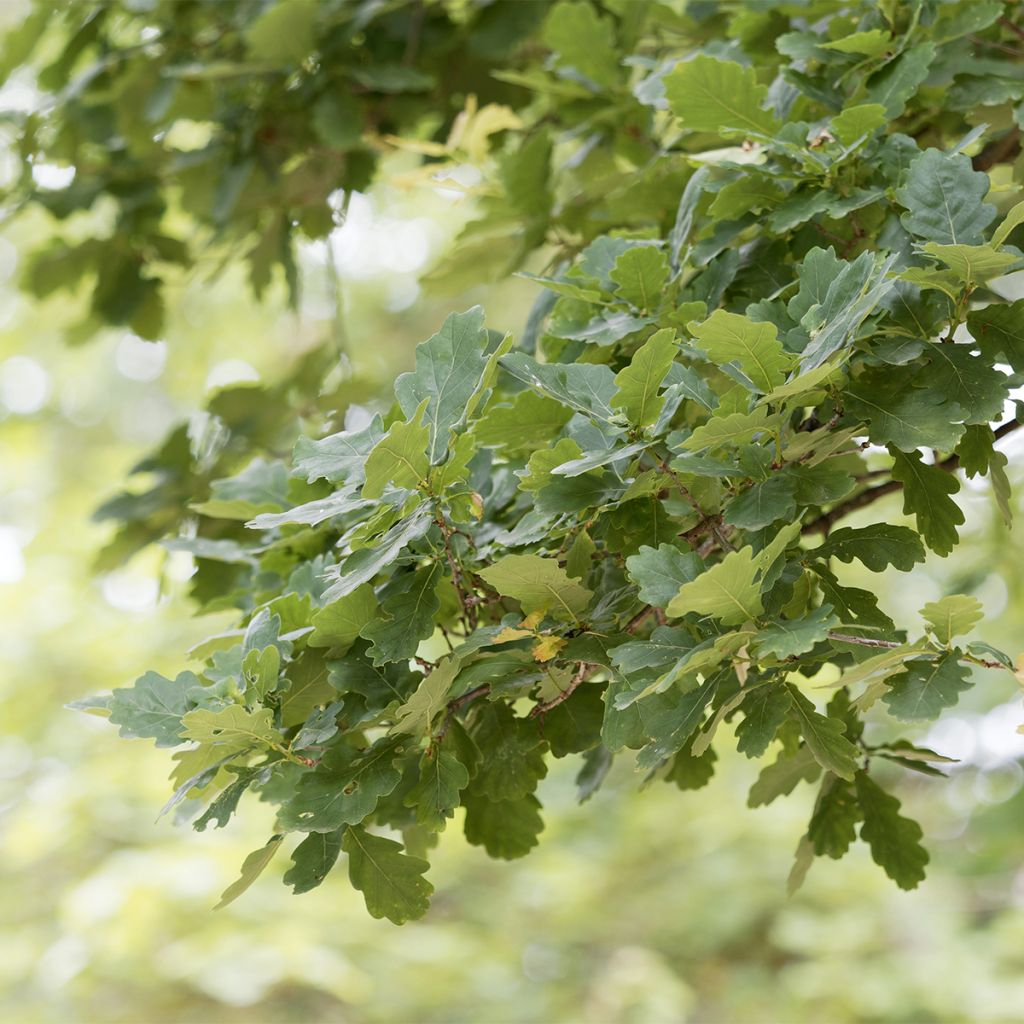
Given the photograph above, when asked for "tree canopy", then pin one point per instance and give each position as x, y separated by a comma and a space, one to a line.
768, 244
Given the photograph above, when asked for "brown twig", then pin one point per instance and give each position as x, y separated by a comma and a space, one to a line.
582, 672
1006, 147
867, 497
469, 613
455, 705
1015, 29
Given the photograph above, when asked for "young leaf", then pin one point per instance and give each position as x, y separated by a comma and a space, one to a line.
726, 337
638, 383
400, 458
539, 585
711, 95
954, 615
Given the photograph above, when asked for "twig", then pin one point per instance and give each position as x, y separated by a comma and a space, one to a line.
1015, 29
455, 705
709, 522
582, 672
469, 614
867, 497
863, 641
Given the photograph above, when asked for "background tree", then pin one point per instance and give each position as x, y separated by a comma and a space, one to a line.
709, 373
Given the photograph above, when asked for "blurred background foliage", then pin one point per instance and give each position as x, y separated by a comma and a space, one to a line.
669, 907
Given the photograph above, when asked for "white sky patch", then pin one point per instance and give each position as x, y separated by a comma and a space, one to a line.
140, 360
52, 177
130, 593
230, 371
369, 244
24, 385
12, 561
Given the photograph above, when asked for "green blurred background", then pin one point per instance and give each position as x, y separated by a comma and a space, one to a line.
647, 907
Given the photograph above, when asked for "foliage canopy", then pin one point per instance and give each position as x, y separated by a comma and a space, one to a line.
774, 237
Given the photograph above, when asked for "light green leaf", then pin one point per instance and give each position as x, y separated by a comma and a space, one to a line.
639, 382
338, 624
711, 95
755, 347
640, 274
232, 726
400, 457
872, 43
449, 368
858, 121
252, 867
787, 638
539, 585
391, 881
1012, 220
972, 264
729, 591
418, 713
782, 776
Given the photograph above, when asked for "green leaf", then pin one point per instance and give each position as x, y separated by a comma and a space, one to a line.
999, 329
711, 95
391, 881
762, 504
872, 43
688, 771
895, 841
506, 829
252, 867
539, 585
226, 803
338, 624
876, 547
582, 387
343, 789
755, 347
943, 198
584, 40
400, 458
449, 370
417, 714
729, 591
907, 417
515, 754
660, 572
953, 615
531, 420
410, 618
782, 776
232, 726
1007, 225
824, 737
896, 83
764, 709
312, 859
339, 457
152, 708
855, 122
968, 381
926, 688
833, 826
640, 275
638, 383
436, 795
926, 491
792, 637
972, 264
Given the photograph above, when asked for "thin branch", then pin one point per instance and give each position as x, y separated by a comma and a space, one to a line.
863, 641
582, 672
469, 613
867, 497
455, 705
